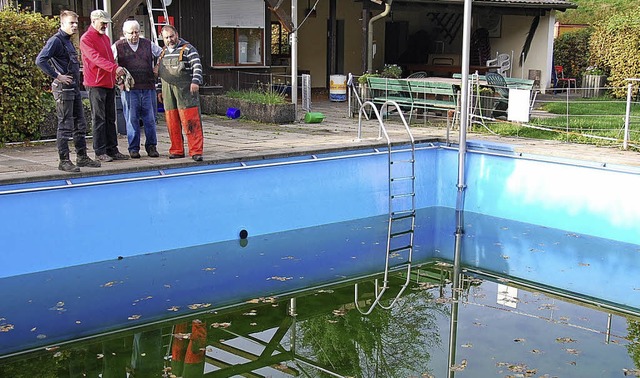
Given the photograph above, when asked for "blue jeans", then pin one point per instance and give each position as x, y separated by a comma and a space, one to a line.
140, 104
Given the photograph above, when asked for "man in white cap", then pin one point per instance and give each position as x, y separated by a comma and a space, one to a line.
100, 71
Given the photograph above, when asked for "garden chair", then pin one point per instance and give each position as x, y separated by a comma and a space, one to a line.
499, 85
565, 80
501, 64
418, 75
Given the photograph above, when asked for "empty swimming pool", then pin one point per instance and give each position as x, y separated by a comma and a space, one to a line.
94, 256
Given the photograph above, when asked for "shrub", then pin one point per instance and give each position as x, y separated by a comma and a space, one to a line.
22, 36
614, 45
571, 51
262, 96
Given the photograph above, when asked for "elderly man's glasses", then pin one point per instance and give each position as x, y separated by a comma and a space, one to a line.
133, 32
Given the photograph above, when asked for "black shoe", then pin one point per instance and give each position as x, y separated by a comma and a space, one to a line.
134, 154
85, 161
176, 156
152, 151
67, 166
119, 156
197, 157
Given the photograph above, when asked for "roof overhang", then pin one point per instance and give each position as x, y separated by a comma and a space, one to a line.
561, 5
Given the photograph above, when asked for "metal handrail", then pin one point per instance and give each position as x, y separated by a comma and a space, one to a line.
383, 131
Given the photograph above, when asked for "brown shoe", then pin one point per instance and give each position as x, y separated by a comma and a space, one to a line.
119, 156
104, 157
85, 161
67, 166
152, 151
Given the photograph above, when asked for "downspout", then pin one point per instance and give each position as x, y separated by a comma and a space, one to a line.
387, 9
294, 57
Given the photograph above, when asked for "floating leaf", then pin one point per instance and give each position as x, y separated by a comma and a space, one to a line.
277, 278
565, 340
134, 317
459, 367
631, 372
197, 306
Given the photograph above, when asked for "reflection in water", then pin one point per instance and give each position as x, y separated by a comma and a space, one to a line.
320, 333
523, 305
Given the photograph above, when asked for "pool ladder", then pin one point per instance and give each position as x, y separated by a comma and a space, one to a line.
402, 206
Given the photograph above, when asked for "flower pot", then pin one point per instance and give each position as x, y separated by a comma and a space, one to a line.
593, 85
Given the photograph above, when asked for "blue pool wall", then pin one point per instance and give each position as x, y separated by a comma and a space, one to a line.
54, 225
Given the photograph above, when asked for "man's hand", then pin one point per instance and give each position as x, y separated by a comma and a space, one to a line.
194, 88
160, 98
65, 79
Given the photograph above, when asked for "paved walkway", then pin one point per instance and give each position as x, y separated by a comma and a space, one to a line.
236, 140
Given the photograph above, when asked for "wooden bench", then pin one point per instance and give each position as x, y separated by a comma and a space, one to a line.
413, 94
432, 95
383, 89
512, 82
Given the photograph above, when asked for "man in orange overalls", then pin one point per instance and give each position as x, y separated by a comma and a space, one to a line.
180, 69
188, 349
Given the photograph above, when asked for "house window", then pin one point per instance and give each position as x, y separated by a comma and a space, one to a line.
237, 32
237, 46
279, 40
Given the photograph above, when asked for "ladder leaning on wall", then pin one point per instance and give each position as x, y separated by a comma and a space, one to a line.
157, 9
402, 206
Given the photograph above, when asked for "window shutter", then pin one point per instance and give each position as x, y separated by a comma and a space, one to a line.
238, 13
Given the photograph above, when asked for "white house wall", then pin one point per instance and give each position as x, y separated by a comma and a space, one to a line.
514, 34
312, 40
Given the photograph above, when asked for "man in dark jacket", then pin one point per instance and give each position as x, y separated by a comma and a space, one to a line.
59, 60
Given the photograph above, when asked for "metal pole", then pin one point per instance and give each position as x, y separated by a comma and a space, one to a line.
464, 97
625, 143
294, 56
456, 288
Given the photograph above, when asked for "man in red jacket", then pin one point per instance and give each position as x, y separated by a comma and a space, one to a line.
100, 71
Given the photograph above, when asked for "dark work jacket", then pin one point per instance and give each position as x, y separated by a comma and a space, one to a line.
59, 56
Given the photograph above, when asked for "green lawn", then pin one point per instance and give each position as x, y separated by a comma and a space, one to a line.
601, 117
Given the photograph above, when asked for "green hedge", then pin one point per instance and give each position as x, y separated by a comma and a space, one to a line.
22, 36
571, 51
615, 45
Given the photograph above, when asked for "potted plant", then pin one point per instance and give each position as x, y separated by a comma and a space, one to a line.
392, 71
593, 81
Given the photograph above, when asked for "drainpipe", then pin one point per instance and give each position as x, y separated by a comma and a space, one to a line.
294, 56
107, 7
387, 9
